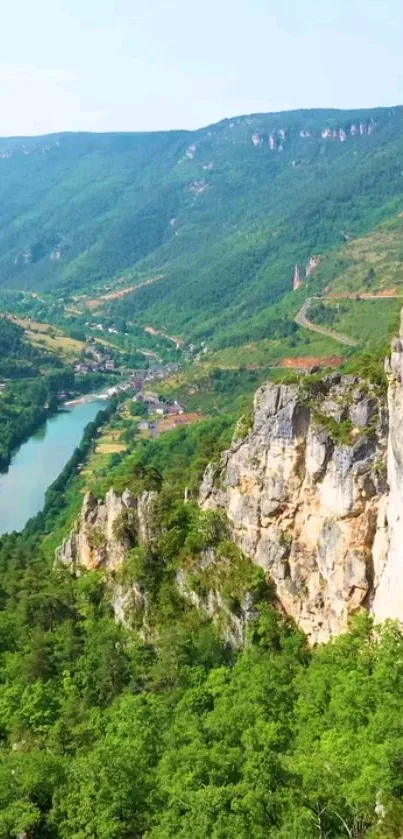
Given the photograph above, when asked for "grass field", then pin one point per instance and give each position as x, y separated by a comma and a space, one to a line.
60, 344
94, 303
371, 322
32, 325
270, 353
110, 443
370, 263
44, 335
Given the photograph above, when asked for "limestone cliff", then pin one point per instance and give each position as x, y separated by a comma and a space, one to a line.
298, 278
106, 530
388, 584
302, 501
312, 488
314, 495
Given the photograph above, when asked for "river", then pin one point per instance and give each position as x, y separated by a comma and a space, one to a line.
39, 461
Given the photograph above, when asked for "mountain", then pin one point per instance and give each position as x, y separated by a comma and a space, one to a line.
201, 632
217, 218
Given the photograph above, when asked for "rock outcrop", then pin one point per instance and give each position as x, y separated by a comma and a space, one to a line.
106, 530
298, 278
302, 504
388, 583
312, 265
277, 138
312, 489
314, 495
257, 140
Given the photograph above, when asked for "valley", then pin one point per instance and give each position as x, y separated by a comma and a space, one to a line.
201, 609
104, 328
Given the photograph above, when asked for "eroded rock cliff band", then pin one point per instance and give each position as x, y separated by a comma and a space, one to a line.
302, 491
312, 488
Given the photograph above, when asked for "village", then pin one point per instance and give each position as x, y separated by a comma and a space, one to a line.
156, 414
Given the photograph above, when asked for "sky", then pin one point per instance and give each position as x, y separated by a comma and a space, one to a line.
140, 65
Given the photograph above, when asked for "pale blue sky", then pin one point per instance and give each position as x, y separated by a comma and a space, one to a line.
107, 65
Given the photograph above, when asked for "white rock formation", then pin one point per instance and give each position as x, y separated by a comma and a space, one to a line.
313, 494
305, 507
97, 540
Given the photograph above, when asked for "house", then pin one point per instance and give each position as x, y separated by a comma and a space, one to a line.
110, 364
143, 425
150, 396
175, 410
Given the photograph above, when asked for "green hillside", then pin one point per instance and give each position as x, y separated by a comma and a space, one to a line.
223, 213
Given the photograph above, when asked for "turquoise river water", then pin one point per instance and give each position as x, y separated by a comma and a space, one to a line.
39, 461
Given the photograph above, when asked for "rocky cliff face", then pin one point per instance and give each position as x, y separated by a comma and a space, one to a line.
313, 494
106, 530
302, 493
388, 583
298, 278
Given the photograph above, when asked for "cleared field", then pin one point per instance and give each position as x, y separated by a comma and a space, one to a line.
60, 344
269, 353
110, 448
108, 444
44, 335
106, 343
372, 263
370, 322
32, 325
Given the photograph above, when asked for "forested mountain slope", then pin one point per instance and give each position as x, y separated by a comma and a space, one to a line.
223, 213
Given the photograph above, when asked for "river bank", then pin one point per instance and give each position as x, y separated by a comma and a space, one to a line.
105, 395
89, 397
39, 461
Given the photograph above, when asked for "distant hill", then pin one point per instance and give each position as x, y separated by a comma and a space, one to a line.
222, 214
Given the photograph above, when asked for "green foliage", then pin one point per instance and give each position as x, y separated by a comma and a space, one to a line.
370, 368
163, 730
106, 734
18, 358
340, 432
370, 322
244, 425
124, 527
31, 379
232, 246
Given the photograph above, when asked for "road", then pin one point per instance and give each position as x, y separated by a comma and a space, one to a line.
302, 317
302, 320
152, 330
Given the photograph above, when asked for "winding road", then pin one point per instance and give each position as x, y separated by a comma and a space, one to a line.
302, 320
302, 316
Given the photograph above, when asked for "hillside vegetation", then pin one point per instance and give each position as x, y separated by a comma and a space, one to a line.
220, 215
161, 726
108, 735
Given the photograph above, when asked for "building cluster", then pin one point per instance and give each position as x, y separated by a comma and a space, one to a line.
96, 361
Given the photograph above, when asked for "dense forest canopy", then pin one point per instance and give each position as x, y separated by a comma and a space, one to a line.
105, 734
